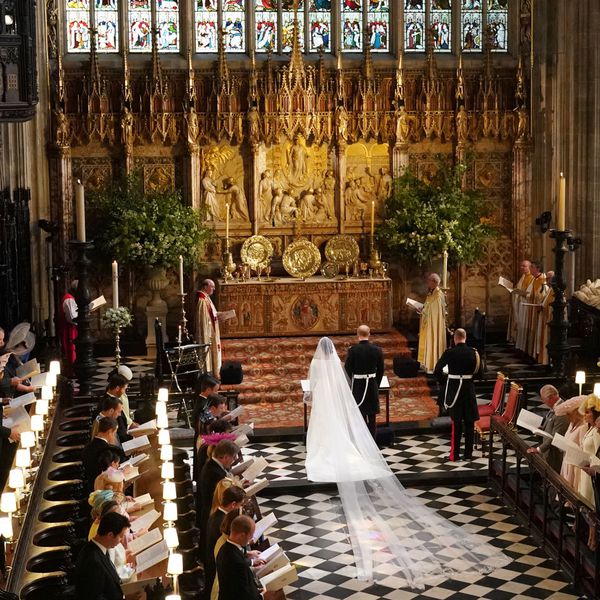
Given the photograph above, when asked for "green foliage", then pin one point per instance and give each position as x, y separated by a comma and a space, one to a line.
424, 219
144, 230
117, 317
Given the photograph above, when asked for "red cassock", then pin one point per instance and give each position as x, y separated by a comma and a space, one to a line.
67, 333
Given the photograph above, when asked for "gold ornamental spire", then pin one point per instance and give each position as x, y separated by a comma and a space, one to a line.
400, 79
127, 96
339, 78
157, 76
223, 68
520, 92
191, 79
460, 82
94, 68
253, 81
296, 60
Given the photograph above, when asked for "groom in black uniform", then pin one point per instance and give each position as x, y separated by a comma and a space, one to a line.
462, 363
364, 365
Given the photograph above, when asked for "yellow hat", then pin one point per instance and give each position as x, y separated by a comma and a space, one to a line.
588, 402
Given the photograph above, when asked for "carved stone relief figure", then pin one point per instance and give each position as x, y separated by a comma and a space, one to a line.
265, 193
237, 200
297, 161
275, 212
191, 118
355, 200
402, 125
253, 125
308, 207
328, 186
61, 128
523, 124
462, 125
127, 130
384, 187
341, 122
289, 209
209, 195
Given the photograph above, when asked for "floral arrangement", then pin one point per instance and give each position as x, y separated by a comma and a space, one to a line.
117, 318
145, 229
422, 219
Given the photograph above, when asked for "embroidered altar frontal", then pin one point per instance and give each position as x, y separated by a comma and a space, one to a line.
312, 306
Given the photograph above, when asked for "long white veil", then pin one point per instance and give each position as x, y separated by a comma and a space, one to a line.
392, 533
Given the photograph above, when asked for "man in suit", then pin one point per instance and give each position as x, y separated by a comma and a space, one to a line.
232, 500
95, 575
111, 405
364, 365
206, 386
236, 580
104, 440
551, 424
212, 472
462, 363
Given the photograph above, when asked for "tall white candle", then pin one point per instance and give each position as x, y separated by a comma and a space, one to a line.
372, 218
80, 211
181, 275
115, 282
445, 271
227, 223
561, 217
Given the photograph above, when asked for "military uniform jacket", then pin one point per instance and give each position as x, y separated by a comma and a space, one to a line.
363, 359
461, 360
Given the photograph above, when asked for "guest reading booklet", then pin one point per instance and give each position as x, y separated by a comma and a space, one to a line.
151, 556
139, 544
148, 428
279, 579
531, 421
40, 380
145, 521
27, 370
136, 444
263, 525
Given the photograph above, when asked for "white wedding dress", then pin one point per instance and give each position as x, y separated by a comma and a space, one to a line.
392, 533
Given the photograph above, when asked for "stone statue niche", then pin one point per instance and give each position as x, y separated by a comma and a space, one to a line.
297, 184
368, 179
222, 184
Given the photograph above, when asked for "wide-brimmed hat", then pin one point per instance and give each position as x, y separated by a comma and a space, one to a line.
589, 401
21, 340
568, 406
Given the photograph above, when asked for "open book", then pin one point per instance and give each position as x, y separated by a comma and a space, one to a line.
418, 306
40, 380
241, 440
152, 556
27, 370
97, 303
145, 521
136, 444
579, 458
236, 412
280, 578
531, 421
245, 429
144, 500
133, 461
148, 428
23, 400
277, 561
239, 469
255, 469
226, 315
139, 544
263, 525
506, 283
18, 420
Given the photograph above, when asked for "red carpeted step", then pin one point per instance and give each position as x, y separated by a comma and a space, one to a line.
273, 368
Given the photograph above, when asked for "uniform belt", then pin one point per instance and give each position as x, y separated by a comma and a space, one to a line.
460, 378
365, 377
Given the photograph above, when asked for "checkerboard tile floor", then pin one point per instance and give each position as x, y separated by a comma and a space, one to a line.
313, 533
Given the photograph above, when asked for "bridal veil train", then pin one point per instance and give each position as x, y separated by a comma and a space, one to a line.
392, 533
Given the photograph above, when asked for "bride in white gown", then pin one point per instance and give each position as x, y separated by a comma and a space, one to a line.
392, 533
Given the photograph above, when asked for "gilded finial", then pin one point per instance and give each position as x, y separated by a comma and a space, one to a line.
520, 93
400, 79
191, 82
460, 81
94, 68
126, 80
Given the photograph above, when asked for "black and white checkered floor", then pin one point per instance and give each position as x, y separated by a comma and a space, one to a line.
312, 531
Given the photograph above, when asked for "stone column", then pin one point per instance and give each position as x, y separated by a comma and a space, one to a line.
340, 176
193, 176
522, 216
61, 199
400, 160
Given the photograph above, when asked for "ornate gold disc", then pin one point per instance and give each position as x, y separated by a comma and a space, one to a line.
257, 251
301, 258
342, 249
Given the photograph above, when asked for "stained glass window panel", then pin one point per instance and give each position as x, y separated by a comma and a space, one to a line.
235, 34
320, 32
471, 26
266, 22
414, 32
440, 21
206, 32
379, 32
107, 31
140, 31
167, 21
287, 31
78, 30
352, 25
497, 20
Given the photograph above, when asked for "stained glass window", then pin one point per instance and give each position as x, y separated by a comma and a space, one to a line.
471, 26
140, 26
106, 19
497, 20
319, 18
352, 25
441, 24
414, 25
167, 23
78, 25
287, 24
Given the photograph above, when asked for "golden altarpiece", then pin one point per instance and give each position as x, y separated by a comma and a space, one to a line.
301, 141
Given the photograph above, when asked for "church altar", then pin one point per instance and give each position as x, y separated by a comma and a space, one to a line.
316, 305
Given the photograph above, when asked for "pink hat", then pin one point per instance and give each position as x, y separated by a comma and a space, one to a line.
568, 406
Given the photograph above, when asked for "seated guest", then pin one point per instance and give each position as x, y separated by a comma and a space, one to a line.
205, 386
95, 576
126, 372
217, 430
105, 439
551, 424
575, 432
225, 531
590, 409
108, 462
231, 500
112, 407
236, 579
213, 471
216, 408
